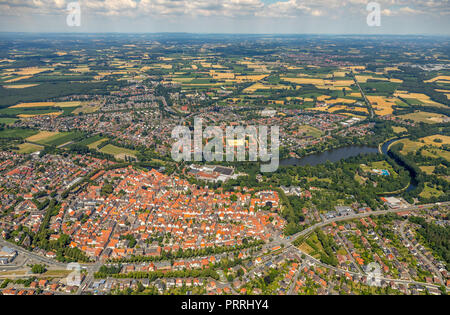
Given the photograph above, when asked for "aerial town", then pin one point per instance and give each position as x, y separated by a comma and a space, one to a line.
92, 202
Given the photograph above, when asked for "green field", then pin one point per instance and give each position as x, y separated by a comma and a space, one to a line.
426, 117
429, 191
7, 121
27, 148
58, 139
96, 143
119, 153
17, 133
28, 111
310, 131
90, 140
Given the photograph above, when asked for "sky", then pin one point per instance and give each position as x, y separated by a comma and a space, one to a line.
228, 16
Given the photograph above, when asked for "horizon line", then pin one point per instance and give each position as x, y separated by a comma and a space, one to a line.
217, 33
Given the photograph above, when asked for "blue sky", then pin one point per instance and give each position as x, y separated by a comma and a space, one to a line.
228, 16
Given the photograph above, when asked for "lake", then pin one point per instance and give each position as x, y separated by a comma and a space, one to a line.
333, 155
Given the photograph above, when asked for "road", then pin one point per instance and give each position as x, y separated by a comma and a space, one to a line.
92, 269
358, 216
369, 105
342, 271
32, 255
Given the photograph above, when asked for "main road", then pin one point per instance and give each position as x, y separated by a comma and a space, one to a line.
369, 105
361, 215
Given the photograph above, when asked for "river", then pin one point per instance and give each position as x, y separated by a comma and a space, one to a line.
335, 155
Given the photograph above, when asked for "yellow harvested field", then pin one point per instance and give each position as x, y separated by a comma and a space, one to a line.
19, 86
323, 97
32, 71
364, 78
387, 69
332, 109
252, 78
41, 136
221, 75
47, 104
341, 100
428, 169
333, 88
35, 104
356, 94
340, 73
260, 86
304, 80
18, 79
341, 83
439, 78
430, 140
36, 115
382, 105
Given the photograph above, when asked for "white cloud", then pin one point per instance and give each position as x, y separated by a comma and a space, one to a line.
227, 8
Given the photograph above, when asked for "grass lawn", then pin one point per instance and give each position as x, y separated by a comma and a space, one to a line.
428, 169
310, 131
96, 143
27, 148
90, 140
119, 153
53, 138
399, 129
42, 136
436, 153
433, 152
86, 109
430, 192
426, 117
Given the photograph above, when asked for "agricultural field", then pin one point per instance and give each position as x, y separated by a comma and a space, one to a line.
26, 148
17, 133
96, 143
382, 105
117, 152
430, 191
310, 131
425, 117
7, 121
53, 138
433, 148
398, 129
